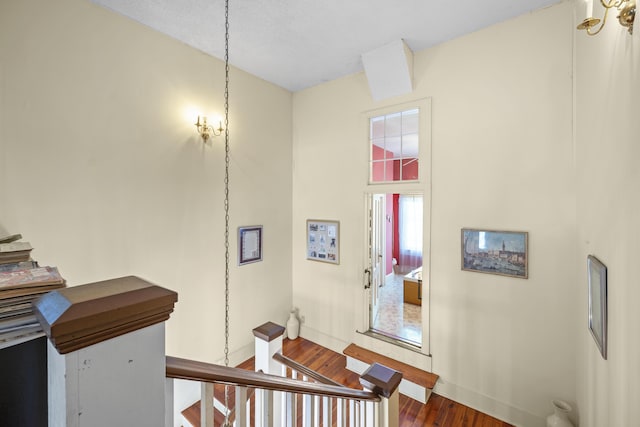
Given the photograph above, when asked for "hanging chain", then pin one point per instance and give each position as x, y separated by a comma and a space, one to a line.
226, 186
226, 205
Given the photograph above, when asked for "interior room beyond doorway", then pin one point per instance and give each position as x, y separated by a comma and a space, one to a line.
396, 253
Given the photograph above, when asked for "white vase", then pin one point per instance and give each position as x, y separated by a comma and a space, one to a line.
293, 326
560, 416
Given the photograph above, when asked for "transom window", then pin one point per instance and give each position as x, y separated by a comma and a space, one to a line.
394, 141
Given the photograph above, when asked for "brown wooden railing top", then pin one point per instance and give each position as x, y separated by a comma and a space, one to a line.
207, 372
268, 332
79, 316
307, 372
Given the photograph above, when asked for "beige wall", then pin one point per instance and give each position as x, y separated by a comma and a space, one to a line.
607, 143
102, 172
502, 158
106, 176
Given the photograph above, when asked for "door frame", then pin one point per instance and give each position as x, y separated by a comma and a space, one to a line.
422, 186
369, 290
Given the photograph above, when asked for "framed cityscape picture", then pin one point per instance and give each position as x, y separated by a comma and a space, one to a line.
323, 241
495, 252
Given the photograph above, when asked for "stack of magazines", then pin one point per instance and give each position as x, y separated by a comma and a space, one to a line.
22, 280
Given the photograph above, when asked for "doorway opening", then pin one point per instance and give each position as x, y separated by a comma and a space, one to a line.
396, 258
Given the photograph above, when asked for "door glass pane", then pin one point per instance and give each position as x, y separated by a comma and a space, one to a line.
394, 146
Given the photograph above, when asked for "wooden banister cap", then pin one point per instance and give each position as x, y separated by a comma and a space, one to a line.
80, 316
268, 331
381, 380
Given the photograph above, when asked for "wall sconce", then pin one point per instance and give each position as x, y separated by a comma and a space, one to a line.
626, 17
206, 130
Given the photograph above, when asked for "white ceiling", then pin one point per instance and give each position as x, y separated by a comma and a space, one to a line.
301, 43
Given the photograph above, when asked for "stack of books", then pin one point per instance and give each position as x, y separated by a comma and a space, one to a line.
22, 280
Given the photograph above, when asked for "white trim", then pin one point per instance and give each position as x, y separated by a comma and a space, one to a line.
487, 405
422, 186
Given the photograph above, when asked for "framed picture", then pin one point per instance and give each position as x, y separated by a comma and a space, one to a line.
495, 252
249, 244
598, 303
323, 241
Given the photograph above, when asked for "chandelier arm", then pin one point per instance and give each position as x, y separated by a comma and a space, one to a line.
612, 3
604, 20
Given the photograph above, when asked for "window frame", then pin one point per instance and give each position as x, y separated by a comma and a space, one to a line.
389, 111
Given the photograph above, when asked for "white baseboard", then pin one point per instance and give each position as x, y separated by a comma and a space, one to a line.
488, 405
322, 339
485, 404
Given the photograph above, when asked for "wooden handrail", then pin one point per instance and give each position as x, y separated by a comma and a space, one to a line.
207, 372
307, 372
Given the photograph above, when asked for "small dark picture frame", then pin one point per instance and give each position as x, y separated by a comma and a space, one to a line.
249, 244
597, 272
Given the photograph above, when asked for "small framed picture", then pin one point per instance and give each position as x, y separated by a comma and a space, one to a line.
323, 241
495, 252
249, 244
597, 272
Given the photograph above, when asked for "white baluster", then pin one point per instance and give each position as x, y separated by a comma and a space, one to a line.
352, 413
369, 412
241, 403
307, 410
289, 402
206, 404
326, 411
316, 411
269, 408
268, 341
258, 416
341, 413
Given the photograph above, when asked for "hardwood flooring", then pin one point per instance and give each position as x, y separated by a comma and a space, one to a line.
438, 412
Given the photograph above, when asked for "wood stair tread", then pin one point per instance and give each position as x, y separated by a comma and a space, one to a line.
410, 373
192, 415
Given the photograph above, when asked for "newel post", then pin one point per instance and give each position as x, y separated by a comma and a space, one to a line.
385, 383
106, 353
268, 341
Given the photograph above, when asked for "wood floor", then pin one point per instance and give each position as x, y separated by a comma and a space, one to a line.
439, 411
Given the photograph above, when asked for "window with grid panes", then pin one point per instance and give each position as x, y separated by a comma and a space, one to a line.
394, 141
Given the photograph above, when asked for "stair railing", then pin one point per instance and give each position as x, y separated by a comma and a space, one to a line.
288, 394
242, 380
319, 405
